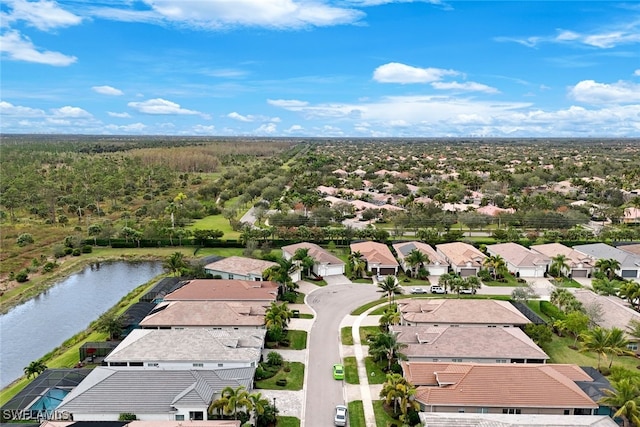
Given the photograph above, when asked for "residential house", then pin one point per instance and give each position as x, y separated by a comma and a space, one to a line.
444, 419
460, 312
220, 315
188, 349
436, 264
520, 261
203, 423
464, 258
226, 290
580, 265
480, 345
239, 268
629, 263
325, 263
631, 216
614, 313
152, 395
632, 248
379, 258
500, 388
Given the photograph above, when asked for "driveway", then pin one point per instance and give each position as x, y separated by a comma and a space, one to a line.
337, 279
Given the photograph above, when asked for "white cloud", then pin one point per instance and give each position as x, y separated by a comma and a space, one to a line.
131, 128
204, 130
609, 40
395, 72
107, 90
240, 117
18, 48
287, 103
637, 72
464, 86
119, 115
567, 36
592, 92
162, 106
220, 14
266, 129
379, 2
70, 112
8, 109
43, 14
294, 129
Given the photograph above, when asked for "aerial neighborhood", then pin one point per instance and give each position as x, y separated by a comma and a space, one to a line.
369, 284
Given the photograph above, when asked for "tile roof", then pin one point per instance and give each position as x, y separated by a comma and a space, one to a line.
460, 253
615, 312
481, 343
375, 252
604, 251
461, 311
225, 290
403, 249
575, 258
451, 419
205, 313
142, 391
632, 249
196, 344
518, 255
499, 385
241, 265
316, 252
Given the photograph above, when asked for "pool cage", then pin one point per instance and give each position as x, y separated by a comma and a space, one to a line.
39, 400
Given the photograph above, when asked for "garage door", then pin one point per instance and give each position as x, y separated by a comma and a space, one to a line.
387, 271
629, 273
579, 273
466, 272
330, 270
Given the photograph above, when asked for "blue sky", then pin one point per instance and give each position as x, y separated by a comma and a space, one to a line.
334, 68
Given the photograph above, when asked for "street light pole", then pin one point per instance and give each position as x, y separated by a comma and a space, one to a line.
275, 411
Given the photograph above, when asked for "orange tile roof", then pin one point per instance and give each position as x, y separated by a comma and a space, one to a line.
499, 385
460, 253
205, 313
316, 252
225, 290
375, 252
241, 265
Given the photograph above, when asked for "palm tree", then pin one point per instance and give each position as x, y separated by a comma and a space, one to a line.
596, 340
391, 316
281, 274
496, 264
385, 345
35, 368
608, 267
625, 399
630, 290
561, 298
633, 328
416, 260
445, 280
175, 263
617, 344
357, 263
398, 390
306, 261
259, 404
472, 282
277, 316
235, 398
559, 265
390, 287
456, 284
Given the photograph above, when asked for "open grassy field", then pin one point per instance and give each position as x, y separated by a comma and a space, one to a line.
216, 222
560, 352
295, 378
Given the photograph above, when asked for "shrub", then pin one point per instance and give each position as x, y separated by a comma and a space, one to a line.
281, 382
68, 251
76, 252
22, 276
127, 416
49, 267
274, 359
289, 297
285, 343
24, 239
287, 367
87, 249
59, 251
551, 310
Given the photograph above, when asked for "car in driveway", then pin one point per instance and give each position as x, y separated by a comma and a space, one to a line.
418, 291
340, 419
338, 371
436, 289
468, 291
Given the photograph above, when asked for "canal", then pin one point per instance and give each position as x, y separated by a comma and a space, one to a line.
33, 329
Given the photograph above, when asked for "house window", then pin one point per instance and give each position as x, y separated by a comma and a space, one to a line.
501, 360
230, 276
179, 329
118, 364
461, 410
435, 360
456, 360
198, 365
136, 364
511, 411
633, 346
179, 417
220, 365
196, 415
491, 326
483, 410
152, 365
567, 412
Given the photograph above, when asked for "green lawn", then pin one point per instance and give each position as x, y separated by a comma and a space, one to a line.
365, 331
564, 282
356, 414
306, 316
223, 252
510, 281
559, 352
298, 340
351, 370
380, 310
535, 306
346, 335
367, 306
374, 373
295, 378
288, 422
216, 222
383, 419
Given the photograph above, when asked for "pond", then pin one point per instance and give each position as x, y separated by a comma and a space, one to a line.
33, 329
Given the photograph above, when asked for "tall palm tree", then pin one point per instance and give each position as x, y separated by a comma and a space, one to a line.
357, 263
277, 316
625, 399
630, 290
416, 260
236, 398
306, 261
259, 404
385, 345
175, 263
617, 344
398, 390
391, 316
35, 368
390, 287
281, 274
472, 282
496, 264
559, 265
608, 266
456, 284
445, 280
596, 340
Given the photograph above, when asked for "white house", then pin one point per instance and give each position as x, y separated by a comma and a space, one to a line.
326, 264
520, 261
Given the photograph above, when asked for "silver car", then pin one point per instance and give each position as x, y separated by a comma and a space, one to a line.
341, 416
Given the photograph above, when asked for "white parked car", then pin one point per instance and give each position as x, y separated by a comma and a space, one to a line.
418, 291
436, 289
340, 418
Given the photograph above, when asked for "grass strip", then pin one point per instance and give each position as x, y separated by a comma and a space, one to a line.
351, 370
356, 414
295, 378
346, 335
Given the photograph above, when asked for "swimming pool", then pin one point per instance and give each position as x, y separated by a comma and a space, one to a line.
50, 400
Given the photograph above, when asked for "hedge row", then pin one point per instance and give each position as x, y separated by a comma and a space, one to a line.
551, 310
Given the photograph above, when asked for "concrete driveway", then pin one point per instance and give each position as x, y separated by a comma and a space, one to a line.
337, 279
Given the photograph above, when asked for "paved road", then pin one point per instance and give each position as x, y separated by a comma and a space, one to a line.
331, 304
